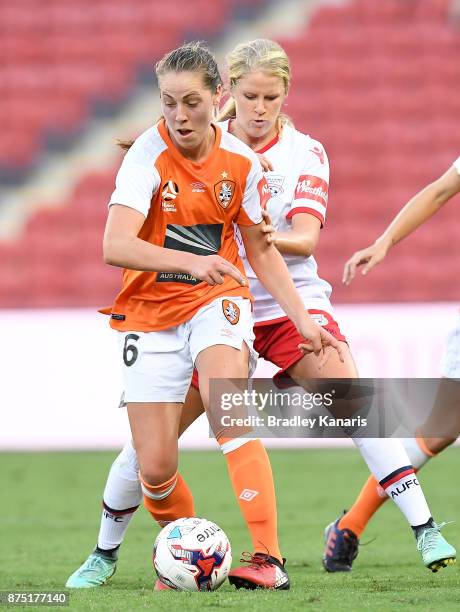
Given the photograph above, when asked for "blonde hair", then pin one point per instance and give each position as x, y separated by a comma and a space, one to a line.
256, 55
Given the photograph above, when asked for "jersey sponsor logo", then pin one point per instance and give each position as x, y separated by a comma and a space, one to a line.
201, 239
264, 192
311, 188
319, 154
231, 311
169, 193
198, 187
275, 183
224, 191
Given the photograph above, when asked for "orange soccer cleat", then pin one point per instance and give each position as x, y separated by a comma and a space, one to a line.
261, 572
161, 586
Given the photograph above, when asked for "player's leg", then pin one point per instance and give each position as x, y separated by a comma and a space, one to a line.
419, 449
247, 461
390, 464
438, 432
165, 493
123, 491
122, 496
372, 496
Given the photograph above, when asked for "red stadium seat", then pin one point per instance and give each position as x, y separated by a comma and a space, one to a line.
372, 80
61, 57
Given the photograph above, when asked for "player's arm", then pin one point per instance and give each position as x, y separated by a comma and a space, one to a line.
418, 210
302, 239
122, 247
273, 273
308, 207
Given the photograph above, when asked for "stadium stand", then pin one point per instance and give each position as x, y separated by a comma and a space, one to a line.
372, 80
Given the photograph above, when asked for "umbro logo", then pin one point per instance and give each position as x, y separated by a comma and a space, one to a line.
198, 187
248, 494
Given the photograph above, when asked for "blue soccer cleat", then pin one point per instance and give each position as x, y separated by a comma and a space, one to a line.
341, 548
435, 550
94, 572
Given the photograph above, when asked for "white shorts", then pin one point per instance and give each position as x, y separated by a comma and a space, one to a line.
158, 366
451, 361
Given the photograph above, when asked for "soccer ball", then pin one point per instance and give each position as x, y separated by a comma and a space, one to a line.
192, 554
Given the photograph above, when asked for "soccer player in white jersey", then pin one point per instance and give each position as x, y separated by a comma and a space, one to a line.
445, 416
259, 80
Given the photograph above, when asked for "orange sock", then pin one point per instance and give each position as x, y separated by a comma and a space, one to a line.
252, 480
168, 501
369, 500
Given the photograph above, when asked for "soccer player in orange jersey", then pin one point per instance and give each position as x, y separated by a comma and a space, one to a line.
445, 416
260, 77
185, 300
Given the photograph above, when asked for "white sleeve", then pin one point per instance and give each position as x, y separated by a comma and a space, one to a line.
457, 165
311, 191
255, 197
135, 185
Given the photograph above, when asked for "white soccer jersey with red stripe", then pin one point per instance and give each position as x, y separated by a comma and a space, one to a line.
299, 184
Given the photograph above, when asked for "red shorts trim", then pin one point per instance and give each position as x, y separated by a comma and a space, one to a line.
278, 341
194, 382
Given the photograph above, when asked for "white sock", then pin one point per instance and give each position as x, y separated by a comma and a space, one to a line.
122, 496
388, 460
417, 456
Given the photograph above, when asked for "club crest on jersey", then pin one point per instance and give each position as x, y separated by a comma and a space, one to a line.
275, 183
169, 193
231, 311
224, 192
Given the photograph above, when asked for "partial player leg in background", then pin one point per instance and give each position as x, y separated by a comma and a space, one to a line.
444, 418
388, 461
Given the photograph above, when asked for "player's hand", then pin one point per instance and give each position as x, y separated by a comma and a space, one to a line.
268, 228
212, 269
266, 164
369, 257
317, 340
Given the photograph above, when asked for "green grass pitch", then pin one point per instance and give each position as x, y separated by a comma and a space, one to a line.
50, 513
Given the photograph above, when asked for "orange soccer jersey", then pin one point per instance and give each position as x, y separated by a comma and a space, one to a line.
188, 207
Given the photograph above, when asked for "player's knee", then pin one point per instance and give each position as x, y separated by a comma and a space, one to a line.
156, 473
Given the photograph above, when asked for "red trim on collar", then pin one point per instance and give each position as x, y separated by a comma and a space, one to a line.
269, 145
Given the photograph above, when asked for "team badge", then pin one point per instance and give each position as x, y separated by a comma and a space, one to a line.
224, 191
231, 311
275, 183
169, 193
